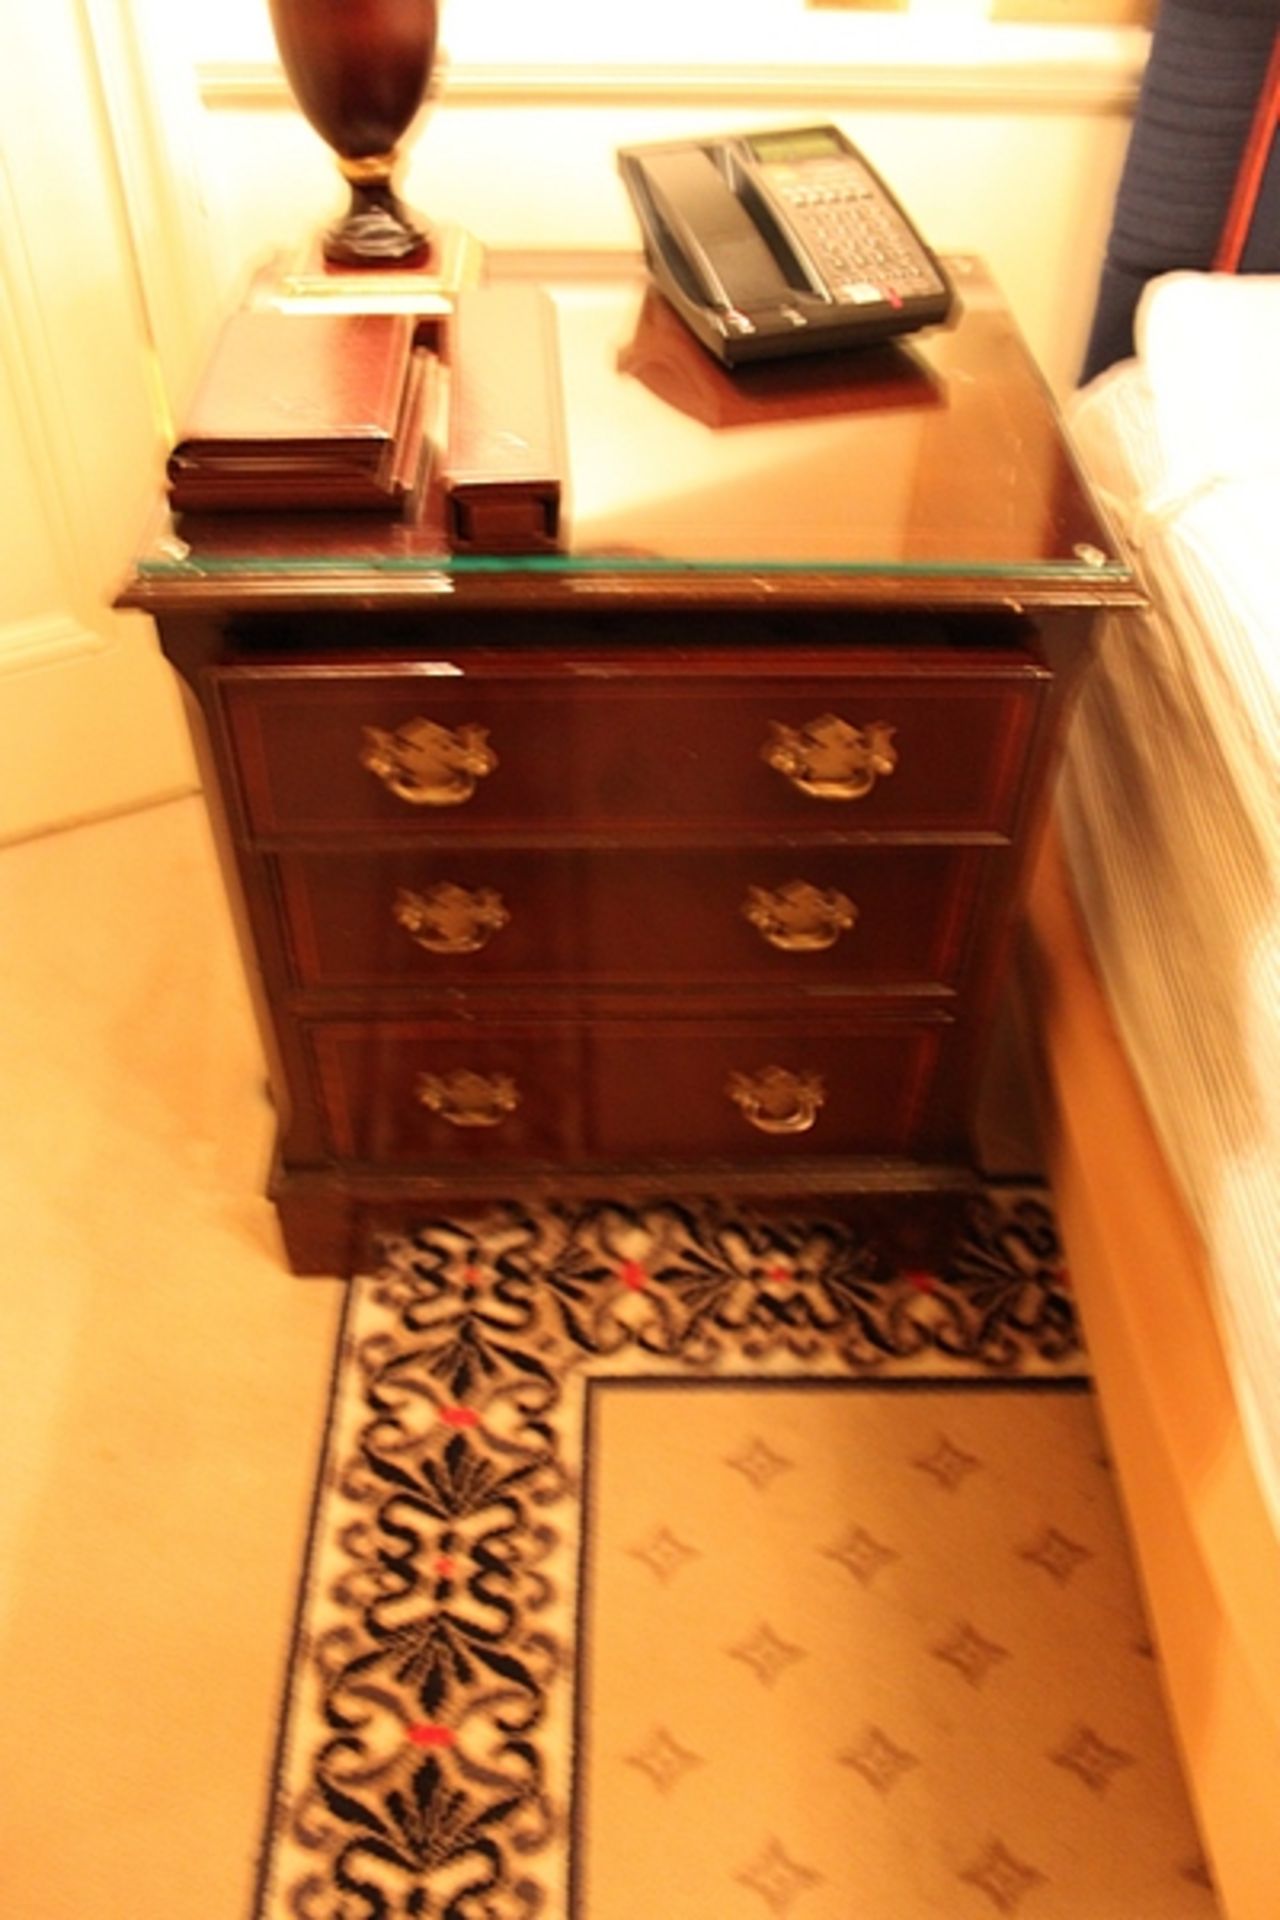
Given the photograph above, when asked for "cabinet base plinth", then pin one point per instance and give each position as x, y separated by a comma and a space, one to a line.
333, 1220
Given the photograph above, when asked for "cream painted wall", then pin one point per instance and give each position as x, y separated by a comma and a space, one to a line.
1030, 194
1005, 142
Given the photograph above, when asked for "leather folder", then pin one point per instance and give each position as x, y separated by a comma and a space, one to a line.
303, 411
503, 476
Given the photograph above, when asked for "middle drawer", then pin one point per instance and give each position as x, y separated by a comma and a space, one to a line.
798, 916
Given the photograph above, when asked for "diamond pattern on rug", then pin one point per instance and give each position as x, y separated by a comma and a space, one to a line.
666, 1559
966, 1730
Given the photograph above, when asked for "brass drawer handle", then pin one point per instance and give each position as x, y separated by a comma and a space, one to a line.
450, 919
427, 764
467, 1099
830, 760
776, 1100
799, 918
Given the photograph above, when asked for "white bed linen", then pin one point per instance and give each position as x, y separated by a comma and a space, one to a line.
1170, 796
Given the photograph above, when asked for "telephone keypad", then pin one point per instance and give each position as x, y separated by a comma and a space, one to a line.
859, 244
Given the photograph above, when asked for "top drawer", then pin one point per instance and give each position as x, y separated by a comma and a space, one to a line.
342, 753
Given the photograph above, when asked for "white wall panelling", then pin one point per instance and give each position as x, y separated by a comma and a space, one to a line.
90, 719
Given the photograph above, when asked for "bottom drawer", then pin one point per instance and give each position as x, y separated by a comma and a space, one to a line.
562, 1090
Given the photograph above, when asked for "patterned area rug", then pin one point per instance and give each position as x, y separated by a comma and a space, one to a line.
670, 1563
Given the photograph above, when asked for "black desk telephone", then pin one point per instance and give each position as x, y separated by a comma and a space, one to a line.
781, 242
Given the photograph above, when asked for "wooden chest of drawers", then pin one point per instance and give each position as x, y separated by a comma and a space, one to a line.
687, 863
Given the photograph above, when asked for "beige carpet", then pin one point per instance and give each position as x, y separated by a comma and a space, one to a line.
162, 1385
670, 1568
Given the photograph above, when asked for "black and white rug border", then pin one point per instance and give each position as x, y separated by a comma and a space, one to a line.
430, 1673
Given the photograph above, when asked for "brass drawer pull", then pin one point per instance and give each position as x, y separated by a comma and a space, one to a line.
776, 1100
427, 764
467, 1099
799, 918
450, 919
830, 760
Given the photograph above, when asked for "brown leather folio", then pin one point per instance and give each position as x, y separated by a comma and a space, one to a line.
304, 411
503, 477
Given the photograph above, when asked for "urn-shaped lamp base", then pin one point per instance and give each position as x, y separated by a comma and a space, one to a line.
361, 72
377, 230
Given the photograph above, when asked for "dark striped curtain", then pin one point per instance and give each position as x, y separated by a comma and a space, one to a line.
1200, 96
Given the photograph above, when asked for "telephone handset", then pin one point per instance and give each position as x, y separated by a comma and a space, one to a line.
781, 242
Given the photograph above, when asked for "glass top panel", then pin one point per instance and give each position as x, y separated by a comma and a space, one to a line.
938, 454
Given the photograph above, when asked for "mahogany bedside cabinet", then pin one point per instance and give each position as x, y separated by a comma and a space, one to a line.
684, 861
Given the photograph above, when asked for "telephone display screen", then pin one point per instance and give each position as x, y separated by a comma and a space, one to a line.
809, 143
